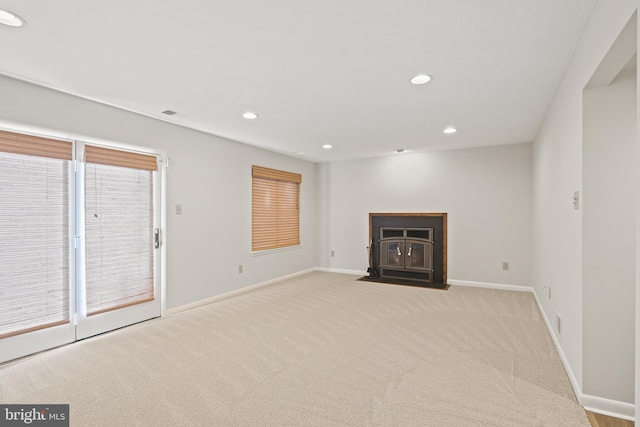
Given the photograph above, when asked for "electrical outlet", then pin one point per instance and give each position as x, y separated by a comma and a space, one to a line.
505, 265
240, 269
333, 253
178, 209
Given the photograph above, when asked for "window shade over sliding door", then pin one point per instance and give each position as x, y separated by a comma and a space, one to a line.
119, 215
275, 208
34, 233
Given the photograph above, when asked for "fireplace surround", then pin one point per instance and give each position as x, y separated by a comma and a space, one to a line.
408, 248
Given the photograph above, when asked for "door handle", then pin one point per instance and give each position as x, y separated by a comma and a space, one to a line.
156, 238
410, 247
398, 249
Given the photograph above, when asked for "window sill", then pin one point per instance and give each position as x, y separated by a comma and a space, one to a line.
277, 250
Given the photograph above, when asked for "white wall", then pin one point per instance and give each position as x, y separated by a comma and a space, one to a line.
557, 173
209, 176
608, 256
486, 193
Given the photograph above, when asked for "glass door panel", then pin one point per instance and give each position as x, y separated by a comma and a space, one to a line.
392, 253
419, 255
119, 218
415, 255
35, 241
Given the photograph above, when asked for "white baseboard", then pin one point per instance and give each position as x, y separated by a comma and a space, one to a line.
577, 389
611, 408
234, 293
342, 271
499, 286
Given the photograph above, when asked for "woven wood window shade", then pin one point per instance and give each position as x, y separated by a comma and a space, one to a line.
118, 229
34, 233
275, 209
126, 159
17, 143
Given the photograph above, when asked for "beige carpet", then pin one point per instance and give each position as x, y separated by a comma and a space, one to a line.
321, 350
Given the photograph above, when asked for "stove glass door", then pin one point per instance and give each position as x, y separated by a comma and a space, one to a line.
393, 253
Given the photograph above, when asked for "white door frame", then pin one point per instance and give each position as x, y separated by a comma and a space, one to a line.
87, 326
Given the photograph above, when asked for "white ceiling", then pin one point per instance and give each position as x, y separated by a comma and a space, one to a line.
326, 72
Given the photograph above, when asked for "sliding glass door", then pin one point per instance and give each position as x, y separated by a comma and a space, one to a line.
79, 241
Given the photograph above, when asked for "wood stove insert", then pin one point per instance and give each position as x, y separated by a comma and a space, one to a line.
408, 248
406, 252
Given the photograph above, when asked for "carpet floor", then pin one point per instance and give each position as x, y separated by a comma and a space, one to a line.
323, 349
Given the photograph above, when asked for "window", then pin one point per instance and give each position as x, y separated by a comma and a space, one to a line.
275, 209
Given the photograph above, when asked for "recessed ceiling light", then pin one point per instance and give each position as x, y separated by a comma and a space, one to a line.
327, 146
450, 130
249, 115
400, 150
421, 79
10, 19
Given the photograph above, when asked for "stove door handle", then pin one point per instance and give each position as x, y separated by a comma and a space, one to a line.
398, 249
410, 247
